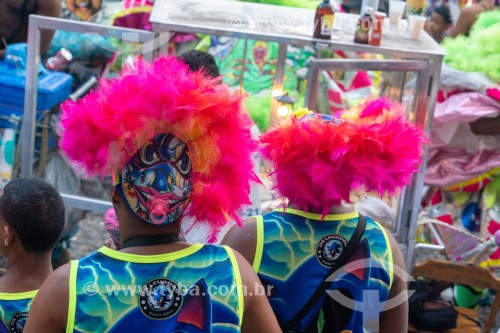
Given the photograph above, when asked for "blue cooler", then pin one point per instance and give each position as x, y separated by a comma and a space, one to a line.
53, 87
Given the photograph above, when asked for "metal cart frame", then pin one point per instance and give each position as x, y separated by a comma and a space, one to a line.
36, 23
283, 25
294, 26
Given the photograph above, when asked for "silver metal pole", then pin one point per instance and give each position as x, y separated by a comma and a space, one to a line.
424, 118
411, 204
435, 78
125, 34
83, 89
243, 66
37, 22
91, 204
400, 230
402, 86
278, 81
312, 86
161, 43
30, 97
421, 95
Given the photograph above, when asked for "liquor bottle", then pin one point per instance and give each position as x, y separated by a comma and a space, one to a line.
323, 20
365, 22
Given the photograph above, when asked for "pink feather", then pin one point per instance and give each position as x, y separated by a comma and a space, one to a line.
102, 131
318, 163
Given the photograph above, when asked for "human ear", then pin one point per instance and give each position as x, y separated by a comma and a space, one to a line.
8, 235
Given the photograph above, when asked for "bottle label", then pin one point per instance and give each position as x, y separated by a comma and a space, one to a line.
327, 25
362, 31
364, 26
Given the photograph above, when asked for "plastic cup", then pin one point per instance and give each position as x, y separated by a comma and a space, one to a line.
396, 9
416, 25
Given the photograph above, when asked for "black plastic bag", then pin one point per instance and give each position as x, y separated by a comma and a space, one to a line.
427, 311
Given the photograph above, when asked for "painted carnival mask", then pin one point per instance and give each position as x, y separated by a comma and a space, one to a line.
157, 182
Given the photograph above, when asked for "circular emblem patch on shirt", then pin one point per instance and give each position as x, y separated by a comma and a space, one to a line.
16, 324
329, 249
160, 298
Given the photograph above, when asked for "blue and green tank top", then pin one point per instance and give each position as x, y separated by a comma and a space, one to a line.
197, 289
14, 310
295, 252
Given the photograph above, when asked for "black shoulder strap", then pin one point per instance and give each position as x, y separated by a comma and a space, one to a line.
352, 245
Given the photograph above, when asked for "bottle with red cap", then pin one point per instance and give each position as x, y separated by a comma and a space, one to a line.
376, 32
363, 28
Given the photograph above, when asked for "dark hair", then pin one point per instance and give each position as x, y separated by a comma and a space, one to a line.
35, 210
198, 59
444, 11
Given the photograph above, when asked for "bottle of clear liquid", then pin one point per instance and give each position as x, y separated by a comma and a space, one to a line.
362, 35
323, 20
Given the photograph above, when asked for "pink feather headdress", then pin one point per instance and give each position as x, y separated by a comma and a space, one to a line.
318, 160
101, 132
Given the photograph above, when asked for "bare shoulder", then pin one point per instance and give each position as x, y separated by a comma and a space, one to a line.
397, 255
243, 239
475, 9
395, 316
470, 13
466, 20
248, 276
248, 229
57, 282
258, 315
54, 292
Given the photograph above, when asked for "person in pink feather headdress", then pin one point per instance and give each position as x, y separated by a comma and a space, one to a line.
330, 268
177, 143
